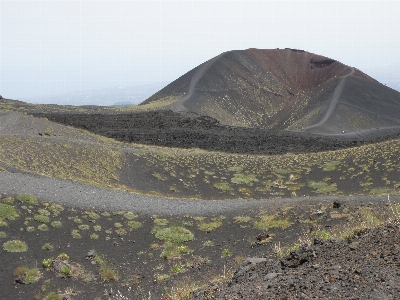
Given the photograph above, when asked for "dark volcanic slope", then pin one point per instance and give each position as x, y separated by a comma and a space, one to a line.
282, 89
364, 267
185, 130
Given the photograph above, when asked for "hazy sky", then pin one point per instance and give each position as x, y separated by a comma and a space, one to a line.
51, 47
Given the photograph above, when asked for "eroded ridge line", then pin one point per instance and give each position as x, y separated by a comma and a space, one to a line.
180, 104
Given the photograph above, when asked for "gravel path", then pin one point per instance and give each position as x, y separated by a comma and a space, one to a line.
75, 194
335, 98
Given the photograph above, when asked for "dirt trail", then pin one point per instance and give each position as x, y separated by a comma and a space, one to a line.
74, 194
335, 99
180, 104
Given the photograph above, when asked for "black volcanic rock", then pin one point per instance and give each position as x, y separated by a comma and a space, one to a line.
364, 267
188, 130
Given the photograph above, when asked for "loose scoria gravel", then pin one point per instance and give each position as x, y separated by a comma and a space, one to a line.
364, 267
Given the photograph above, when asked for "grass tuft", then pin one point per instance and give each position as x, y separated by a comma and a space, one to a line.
7, 212
239, 178
130, 216
134, 224
242, 219
172, 250
15, 246
43, 227
25, 275
174, 234
223, 186
41, 218
47, 247
56, 224
210, 226
93, 215
321, 187
107, 272
27, 199
226, 253
53, 296
267, 222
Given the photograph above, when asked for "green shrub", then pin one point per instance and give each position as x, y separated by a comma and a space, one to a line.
47, 246
27, 276
321, 187
63, 256
130, 215
172, 250
7, 212
223, 186
55, 208
120, 231
203, 226
41, 218
47, 262
242, 219
323, 234
161, 222
209, 243
226, 252
43, 227
134, 224
44, 212
27, 199
97, 227
8, 200
177, 268
56, 224
84, 227
270, 221
243, 179
174, 234
15, 246
3, 235
76, 234
30, 228
107, 272
65, 270
331, 165
93, 215
53, 296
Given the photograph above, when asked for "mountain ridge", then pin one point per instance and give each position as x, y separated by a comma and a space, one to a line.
280, 89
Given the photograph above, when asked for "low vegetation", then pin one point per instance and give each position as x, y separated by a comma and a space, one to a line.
15, 246
267, 222
26, 275
107, 271
179, 248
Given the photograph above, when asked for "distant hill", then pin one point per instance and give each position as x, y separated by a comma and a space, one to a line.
118, 96
282, 89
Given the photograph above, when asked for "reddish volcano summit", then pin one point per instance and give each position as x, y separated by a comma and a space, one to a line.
283, 89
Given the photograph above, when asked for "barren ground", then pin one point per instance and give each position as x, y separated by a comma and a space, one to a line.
144, 253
